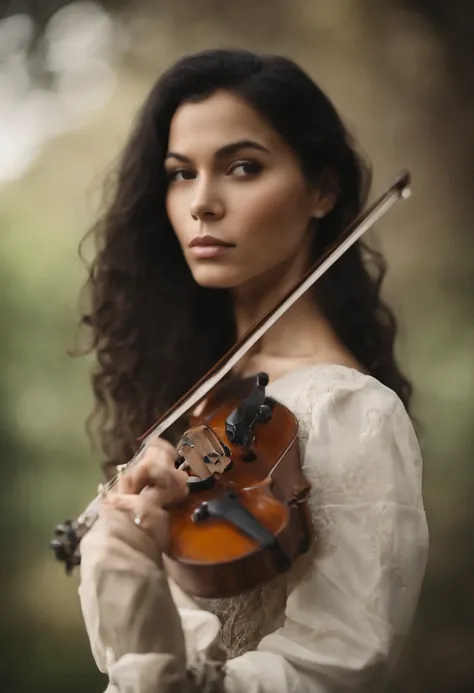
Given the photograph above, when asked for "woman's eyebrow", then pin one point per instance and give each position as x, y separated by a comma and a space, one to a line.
227, 149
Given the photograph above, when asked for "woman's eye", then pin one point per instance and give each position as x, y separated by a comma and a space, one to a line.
180, 174
245, 168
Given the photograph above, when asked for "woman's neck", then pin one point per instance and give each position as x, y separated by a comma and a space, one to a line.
302, 335
253, 299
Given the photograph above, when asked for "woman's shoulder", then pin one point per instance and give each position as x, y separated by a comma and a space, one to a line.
343, 407
351, 426
332, 385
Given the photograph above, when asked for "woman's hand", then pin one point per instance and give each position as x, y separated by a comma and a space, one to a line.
125, 596
144, 494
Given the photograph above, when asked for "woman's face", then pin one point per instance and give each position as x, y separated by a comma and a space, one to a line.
233, 180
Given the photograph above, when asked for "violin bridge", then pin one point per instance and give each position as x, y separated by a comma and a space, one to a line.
203, 452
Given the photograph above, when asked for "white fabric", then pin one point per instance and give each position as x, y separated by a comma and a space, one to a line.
337, 620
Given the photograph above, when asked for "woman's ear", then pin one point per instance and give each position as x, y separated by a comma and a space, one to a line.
326, 192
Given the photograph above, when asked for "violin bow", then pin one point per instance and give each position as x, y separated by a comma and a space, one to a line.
398, 190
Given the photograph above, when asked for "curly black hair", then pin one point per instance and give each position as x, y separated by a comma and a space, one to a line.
152, 325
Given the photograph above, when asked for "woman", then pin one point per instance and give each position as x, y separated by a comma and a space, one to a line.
238, 175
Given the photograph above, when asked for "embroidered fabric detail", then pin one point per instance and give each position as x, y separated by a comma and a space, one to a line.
247, 618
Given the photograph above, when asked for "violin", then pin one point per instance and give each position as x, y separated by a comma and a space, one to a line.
246, 517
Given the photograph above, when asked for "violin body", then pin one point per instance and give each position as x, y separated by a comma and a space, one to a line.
215, 557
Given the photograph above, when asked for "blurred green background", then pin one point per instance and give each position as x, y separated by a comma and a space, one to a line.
72, 75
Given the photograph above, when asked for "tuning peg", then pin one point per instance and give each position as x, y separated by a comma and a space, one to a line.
61, 529
60, 550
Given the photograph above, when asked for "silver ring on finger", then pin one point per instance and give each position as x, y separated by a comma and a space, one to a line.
138, 520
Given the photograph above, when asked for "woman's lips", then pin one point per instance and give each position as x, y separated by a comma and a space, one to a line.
210, 251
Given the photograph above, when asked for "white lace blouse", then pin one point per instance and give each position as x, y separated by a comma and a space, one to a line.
337, 620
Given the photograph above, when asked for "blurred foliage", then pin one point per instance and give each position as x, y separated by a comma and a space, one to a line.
401, 73
453, 22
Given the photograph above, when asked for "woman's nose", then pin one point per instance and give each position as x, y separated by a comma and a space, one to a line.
207, 204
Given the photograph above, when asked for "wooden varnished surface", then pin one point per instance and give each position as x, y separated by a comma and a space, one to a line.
214, 540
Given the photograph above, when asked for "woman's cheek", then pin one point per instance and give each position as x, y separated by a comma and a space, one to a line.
266, 218
178, 200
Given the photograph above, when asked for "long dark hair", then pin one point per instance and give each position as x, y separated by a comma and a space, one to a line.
153, 328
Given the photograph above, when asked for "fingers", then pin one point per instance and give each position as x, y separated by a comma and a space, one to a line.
156, 473
124, 484
144, 492
148, 517
137, 506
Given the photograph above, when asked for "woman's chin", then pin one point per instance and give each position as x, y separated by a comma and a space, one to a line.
216, 278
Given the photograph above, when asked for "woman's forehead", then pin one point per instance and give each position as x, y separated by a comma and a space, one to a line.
217, 120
